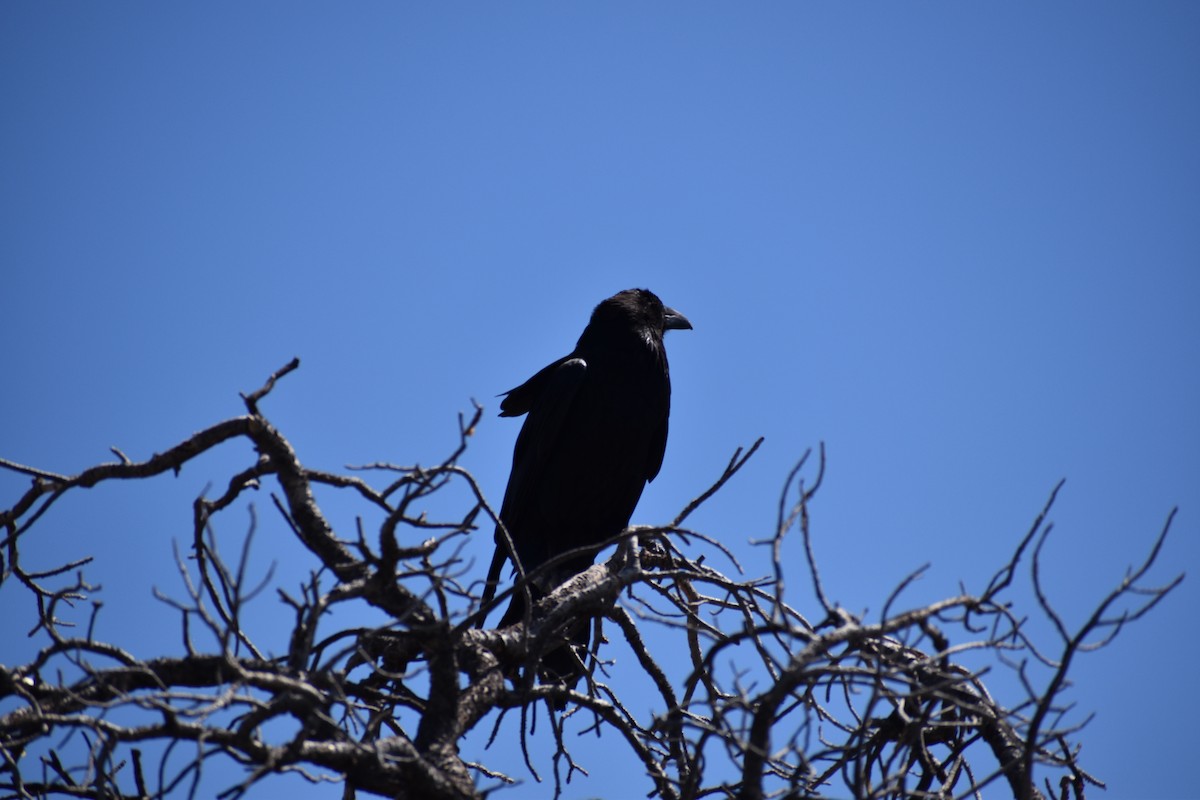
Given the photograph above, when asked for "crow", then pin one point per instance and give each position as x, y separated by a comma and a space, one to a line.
595, 434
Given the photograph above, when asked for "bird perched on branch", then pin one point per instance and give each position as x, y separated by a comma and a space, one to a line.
594, 435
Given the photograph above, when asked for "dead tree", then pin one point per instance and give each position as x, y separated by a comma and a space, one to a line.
823, 704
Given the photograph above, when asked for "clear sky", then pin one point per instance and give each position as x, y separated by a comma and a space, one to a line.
957, 242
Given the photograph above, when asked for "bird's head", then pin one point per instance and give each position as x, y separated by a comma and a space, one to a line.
638, 310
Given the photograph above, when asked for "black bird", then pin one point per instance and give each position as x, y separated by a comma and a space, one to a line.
594, 436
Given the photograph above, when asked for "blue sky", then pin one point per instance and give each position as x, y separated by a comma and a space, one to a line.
957, 243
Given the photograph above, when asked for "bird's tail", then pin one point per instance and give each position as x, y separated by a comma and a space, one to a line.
493, 580
563, 665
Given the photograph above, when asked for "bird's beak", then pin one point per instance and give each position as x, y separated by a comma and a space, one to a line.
673, 320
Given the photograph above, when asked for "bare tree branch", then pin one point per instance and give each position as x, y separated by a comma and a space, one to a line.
843, 708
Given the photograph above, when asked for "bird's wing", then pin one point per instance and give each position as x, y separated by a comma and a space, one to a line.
521, 400
658, 447
551, 402
547, 398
